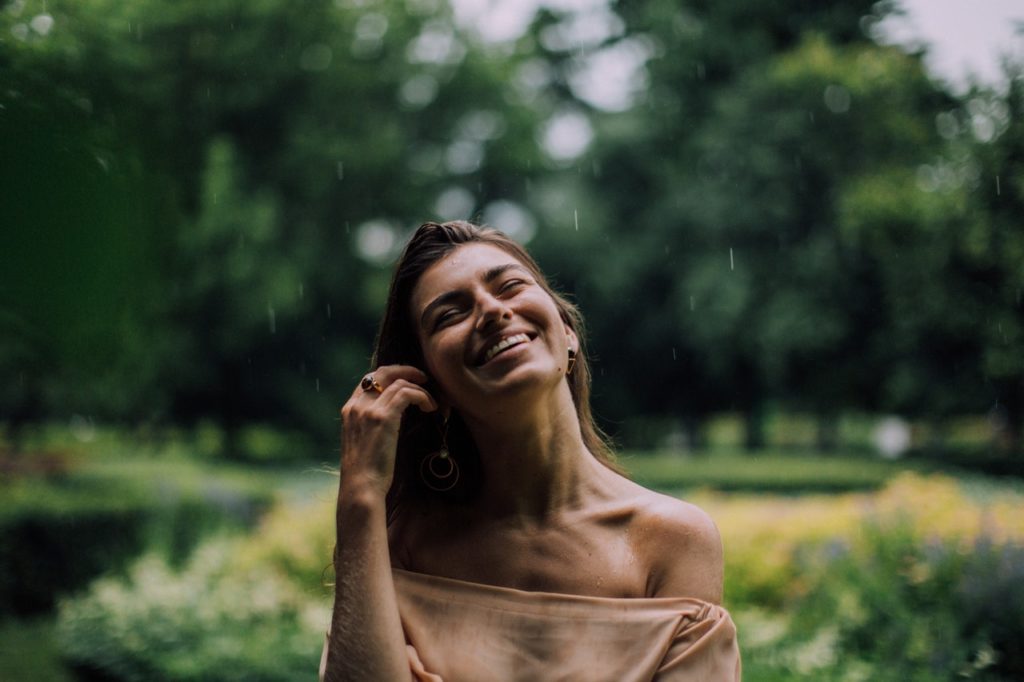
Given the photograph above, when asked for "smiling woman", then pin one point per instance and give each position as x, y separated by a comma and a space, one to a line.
484, 531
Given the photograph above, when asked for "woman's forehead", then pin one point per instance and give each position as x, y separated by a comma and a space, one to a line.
468, 263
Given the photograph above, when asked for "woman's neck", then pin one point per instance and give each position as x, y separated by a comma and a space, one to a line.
534, 460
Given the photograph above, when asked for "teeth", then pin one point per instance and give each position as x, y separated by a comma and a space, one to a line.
505, 343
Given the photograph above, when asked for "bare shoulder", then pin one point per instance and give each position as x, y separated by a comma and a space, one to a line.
682, 546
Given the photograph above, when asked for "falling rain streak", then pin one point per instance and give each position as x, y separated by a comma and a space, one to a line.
732, 263
576, 219
272, 318
998, 190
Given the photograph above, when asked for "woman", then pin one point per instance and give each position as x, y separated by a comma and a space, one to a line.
484, 532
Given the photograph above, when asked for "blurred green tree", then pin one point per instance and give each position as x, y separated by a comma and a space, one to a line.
320, 136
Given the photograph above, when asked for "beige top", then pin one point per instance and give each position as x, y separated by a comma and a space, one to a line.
459, 631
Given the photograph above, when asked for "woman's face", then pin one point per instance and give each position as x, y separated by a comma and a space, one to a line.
487, 327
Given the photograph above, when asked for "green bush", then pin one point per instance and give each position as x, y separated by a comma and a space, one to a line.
909, 611
209, 621
57, 536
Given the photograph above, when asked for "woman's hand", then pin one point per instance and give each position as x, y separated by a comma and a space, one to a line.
370, 421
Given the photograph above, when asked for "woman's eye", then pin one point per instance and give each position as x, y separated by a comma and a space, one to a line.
511, 284
444, 316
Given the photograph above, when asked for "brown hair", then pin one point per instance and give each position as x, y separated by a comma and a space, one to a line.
398, 343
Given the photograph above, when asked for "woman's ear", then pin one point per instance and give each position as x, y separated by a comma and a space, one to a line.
573, 340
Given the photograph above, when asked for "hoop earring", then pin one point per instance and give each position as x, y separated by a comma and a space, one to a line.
572, 362
440, 466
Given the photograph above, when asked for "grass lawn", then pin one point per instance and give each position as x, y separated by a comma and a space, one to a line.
768, 472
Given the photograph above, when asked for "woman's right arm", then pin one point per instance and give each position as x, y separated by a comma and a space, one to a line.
366, 640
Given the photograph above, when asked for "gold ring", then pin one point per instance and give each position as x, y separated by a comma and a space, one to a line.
370, 384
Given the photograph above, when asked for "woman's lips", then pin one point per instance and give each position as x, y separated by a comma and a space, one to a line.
504, 344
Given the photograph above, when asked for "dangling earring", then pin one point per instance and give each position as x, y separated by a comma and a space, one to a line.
440, 466
572, 362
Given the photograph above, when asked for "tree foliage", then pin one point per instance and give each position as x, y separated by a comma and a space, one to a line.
202, 200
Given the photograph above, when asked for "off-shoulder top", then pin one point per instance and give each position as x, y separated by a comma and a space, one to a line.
459, 631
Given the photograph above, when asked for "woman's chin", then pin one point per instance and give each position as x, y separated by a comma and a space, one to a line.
513, 380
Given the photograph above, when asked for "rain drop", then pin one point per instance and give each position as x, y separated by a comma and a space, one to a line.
272, 318
673, 353
998, 190
328, 311
732, 262
318, 385
692, 304
576, 219
302, 291
341, 170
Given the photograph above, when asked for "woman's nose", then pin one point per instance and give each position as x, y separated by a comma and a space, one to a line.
492, 309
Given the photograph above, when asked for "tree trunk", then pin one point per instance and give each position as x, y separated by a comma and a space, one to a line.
828, 433
754, 423
693, 427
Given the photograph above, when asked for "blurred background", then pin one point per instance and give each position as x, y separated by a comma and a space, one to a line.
794, 228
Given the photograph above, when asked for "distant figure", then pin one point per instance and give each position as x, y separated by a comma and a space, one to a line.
484, 531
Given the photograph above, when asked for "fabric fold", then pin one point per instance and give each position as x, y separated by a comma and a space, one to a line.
459, 631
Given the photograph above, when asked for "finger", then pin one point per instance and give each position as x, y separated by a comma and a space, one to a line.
387, 374
401, 394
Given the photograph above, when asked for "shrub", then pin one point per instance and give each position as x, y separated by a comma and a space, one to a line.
210, 621
921, 610
253, 608
57, 536
916, 582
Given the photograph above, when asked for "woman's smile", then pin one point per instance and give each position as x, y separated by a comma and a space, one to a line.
507, 342
481, 310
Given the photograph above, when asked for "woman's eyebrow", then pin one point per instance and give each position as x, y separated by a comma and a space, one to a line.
436, 303
498, 270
